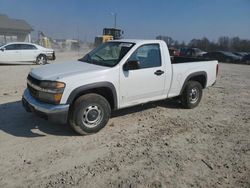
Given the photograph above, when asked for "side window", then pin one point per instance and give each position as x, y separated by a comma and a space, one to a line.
11, 47
14, 47
33, 47
27, 47
148, 55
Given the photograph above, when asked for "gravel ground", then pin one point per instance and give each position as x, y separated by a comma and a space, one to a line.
155, 145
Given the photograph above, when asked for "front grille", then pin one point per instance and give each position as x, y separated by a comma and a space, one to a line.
54, 56
33, 92
33, 80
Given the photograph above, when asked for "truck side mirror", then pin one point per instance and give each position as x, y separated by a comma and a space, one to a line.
2, 49
131, 65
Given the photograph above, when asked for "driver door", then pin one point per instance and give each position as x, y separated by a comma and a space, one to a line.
145, 83
10, 52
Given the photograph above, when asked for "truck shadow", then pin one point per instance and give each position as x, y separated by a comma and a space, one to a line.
168, 103
16, 121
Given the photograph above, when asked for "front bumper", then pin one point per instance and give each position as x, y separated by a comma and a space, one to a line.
51, 56
55, 113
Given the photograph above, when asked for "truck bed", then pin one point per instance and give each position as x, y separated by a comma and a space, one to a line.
175, 60
183, 67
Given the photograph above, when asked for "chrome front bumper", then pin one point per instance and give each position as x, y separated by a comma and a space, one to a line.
56, 113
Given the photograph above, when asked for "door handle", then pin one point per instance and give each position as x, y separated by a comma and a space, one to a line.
159, 72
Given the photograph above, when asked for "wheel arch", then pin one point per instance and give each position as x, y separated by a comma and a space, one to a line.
200, 77
105, 89
41, 54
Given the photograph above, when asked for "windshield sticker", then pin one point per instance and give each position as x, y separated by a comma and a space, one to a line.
126, 45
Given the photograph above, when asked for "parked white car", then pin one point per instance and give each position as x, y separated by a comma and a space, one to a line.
25, 52
115, 75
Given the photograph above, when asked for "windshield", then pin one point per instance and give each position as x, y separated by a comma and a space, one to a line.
108, 54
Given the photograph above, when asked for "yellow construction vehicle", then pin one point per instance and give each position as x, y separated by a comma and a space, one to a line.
103, 38
43, 40
108, 34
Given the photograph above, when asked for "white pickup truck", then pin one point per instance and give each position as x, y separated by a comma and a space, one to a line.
115, 75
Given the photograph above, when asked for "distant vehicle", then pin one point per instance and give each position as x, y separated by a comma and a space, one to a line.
242, 54
25, 52
222, 56
108, 34
173, 51
115, 75
246, 59
43, 40
191, 52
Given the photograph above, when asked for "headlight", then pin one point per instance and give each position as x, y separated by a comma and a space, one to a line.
52, 85
51, 91
45, 90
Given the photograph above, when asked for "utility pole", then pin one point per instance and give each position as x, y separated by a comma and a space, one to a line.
78, 40
115, 16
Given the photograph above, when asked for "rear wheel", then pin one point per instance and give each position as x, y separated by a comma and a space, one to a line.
191, 95
41, 60
89, 114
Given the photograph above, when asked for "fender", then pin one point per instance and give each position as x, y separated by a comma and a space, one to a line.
97, 85
200, 73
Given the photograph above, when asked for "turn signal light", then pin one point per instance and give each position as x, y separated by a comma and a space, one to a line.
57, 98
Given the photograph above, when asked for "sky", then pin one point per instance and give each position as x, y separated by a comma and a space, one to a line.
182, 20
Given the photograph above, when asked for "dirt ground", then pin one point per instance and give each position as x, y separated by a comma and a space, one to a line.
155, 145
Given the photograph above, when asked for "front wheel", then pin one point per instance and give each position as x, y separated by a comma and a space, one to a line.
41, 60
191, 95
89, 114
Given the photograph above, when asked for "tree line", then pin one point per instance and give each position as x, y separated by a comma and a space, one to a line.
233, 44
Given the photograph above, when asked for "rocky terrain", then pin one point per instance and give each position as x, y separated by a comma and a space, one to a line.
154, 145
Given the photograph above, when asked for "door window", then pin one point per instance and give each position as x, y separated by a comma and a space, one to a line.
148, 55
28, 47
12, 47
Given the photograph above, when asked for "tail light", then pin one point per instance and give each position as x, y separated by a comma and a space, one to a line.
217, 69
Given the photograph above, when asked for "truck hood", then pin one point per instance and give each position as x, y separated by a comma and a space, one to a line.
61, 70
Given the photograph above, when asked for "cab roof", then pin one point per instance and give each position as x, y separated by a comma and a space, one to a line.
138, 41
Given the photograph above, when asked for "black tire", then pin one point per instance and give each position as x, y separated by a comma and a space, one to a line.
41, 59
192, 94
86, 109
